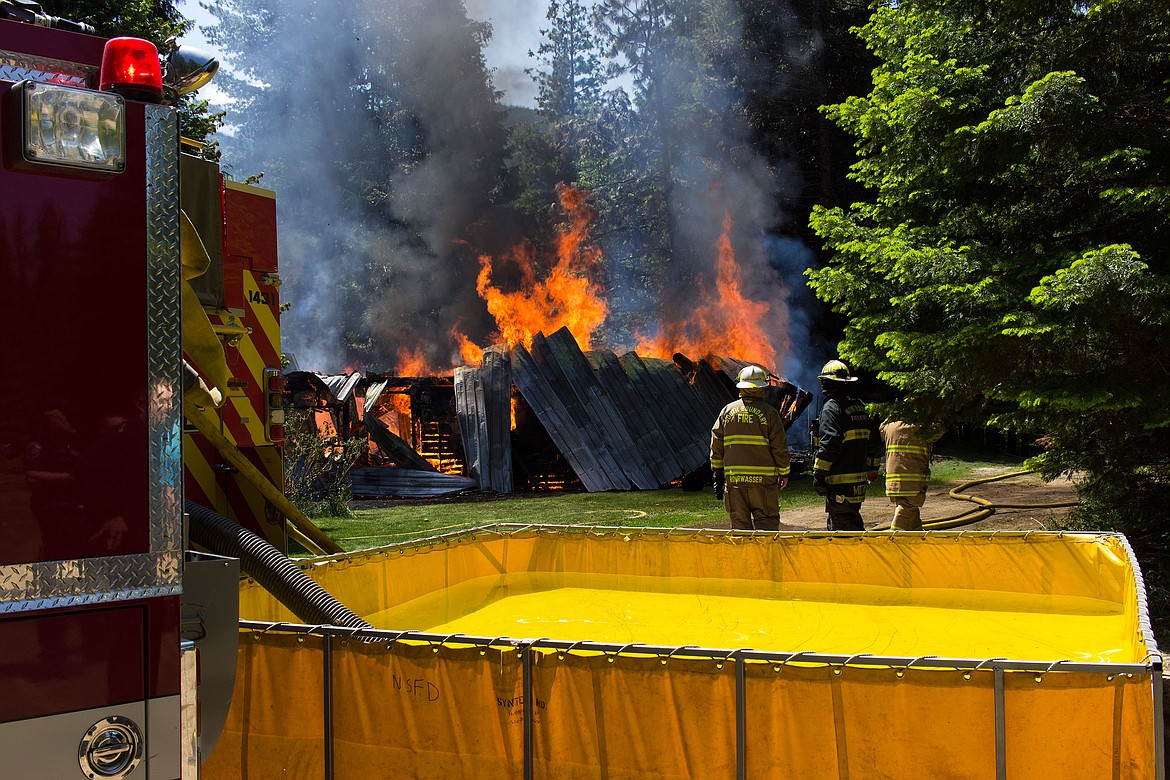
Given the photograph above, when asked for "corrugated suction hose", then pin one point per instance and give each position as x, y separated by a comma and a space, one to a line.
271, 568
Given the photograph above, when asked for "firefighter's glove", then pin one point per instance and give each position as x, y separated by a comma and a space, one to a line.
718, 475
819, 483
871, 477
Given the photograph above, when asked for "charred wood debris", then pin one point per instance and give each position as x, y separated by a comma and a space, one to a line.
544, 418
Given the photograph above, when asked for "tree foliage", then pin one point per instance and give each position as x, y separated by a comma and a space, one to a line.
1010, 261
571, 80
316, 477
158, 21
569, 77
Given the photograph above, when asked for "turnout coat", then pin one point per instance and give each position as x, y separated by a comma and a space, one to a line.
907, 457
849, 447
748, 442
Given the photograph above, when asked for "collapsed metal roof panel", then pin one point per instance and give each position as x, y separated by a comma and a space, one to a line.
373, 393
341, 385
483, 398
405, 483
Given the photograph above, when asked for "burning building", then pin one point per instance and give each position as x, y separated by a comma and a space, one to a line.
556, 412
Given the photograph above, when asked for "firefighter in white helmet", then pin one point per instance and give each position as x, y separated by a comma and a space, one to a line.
749, 455
849, 450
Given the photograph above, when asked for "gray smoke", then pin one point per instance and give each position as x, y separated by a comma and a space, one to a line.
720, 171
371, 232
516, 26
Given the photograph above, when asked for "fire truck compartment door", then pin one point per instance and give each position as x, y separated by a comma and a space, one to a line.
202, 202
66, 672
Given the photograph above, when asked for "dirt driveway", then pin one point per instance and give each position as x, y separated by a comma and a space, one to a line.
1026, 489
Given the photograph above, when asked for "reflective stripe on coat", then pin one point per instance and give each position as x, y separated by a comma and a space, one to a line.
907, 457
748, 442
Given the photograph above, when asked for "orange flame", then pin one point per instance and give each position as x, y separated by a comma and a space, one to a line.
400, 421
471, 352
567, 297
725, 323
412, 362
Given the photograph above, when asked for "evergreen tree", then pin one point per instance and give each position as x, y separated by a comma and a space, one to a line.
798, 58
570, 82
642, 33
1011, 260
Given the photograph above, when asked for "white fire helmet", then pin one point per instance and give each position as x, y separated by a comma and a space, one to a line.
752, 376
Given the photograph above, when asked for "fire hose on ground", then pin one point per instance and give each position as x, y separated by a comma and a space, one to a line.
984, 508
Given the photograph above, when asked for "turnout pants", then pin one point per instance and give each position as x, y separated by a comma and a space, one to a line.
907, 514
843, 515
753, 506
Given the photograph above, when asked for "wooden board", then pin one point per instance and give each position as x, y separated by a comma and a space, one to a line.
600, 414
647, 435
497, 391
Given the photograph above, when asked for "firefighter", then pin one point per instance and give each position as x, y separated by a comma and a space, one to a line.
749, 453
908, 448
849, 450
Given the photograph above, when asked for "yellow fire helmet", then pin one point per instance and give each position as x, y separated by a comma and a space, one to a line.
836, 371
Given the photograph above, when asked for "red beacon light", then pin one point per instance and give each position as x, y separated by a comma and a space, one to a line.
131, 68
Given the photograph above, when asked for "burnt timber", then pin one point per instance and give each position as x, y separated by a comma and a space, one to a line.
380, 482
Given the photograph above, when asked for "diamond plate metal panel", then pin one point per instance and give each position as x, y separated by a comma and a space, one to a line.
18, 67
163, 311
53, 584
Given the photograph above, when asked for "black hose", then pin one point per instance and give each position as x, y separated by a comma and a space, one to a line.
269, 567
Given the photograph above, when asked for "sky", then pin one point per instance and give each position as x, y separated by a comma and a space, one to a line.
516, 26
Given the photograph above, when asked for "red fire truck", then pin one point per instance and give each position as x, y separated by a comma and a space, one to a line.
107, 618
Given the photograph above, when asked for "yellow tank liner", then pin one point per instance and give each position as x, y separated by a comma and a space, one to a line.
670, 653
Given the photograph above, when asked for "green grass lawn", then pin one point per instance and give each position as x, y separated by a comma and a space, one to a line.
668, 508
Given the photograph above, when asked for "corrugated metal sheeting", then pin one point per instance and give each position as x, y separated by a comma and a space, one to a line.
621, 423
483, 401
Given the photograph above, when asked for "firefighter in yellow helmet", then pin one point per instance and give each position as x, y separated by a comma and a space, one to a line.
849, 450
749, 455
908, 448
